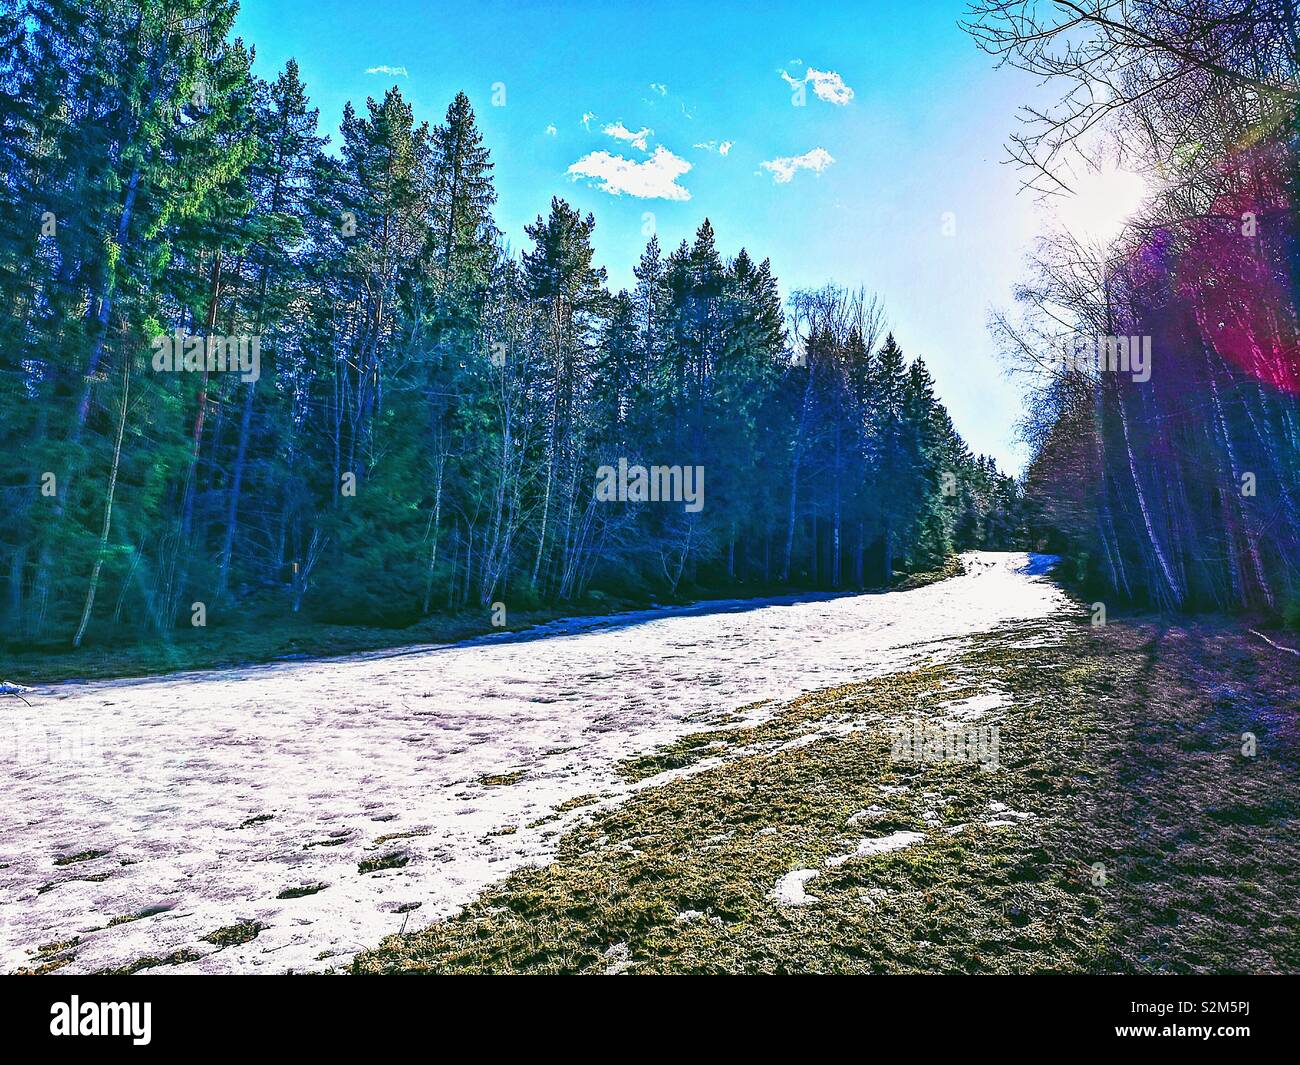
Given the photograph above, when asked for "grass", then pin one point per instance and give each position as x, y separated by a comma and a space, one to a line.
82, 856
334, 841
51, 957
301, 891
235, 934
952, 567
577, 803
1202, 836
391, 860
388, 837
127, 918
153, 961
93, 878
1141, 839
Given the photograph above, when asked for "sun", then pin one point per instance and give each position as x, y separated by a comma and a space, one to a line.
1101, 202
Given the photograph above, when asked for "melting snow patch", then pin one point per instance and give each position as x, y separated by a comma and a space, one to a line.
619, 959
975, 707
880, 845
1002, 808
789, 889
871, 811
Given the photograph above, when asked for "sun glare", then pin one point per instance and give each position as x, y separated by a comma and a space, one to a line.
1100, 204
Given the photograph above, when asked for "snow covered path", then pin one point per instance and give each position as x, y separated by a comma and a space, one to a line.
200, 800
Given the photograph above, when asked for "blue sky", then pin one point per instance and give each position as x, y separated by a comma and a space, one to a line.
920, 139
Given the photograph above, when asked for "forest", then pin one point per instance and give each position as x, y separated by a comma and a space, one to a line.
250, 371
1178, 492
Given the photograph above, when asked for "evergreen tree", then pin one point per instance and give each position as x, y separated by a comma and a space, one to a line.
430, 412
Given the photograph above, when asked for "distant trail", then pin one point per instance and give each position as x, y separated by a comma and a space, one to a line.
210, 794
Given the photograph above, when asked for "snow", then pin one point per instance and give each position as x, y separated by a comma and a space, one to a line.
213, 793
869, 848
963, 710
789, 889
619, 958
1009, 816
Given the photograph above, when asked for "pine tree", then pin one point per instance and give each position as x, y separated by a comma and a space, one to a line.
569, 291
430, 411
464, 235
892, 460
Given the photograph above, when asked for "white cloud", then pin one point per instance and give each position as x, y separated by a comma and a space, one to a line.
637, 139
653, 179
551, 131
784, 168
714, 146
828, 85
587, 116
659, 87
400, 72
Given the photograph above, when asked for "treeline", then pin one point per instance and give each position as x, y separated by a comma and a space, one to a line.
243, 376
1180, 491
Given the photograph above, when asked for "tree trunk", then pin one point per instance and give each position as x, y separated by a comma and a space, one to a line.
108, 508
236, 483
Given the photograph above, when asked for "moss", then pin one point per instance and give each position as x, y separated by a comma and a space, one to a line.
498, 780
